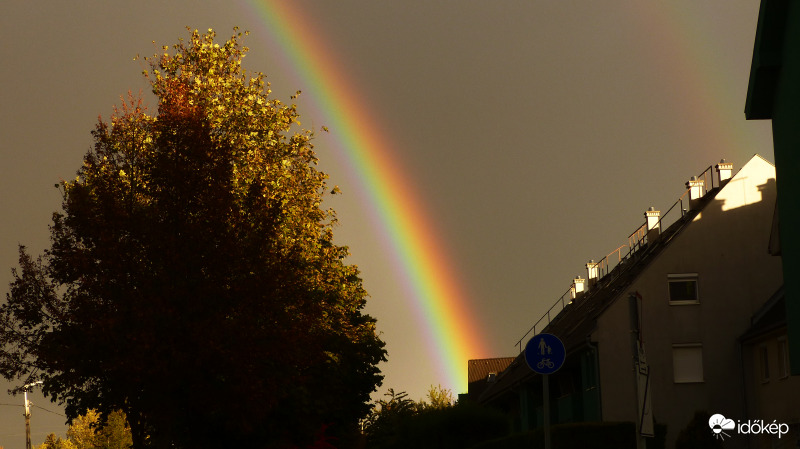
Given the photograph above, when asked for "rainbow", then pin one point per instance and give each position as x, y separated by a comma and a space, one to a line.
434, 292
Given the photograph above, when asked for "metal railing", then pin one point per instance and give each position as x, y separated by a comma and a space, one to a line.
708, 178
604, 266
548, 315
636, 241
637, 237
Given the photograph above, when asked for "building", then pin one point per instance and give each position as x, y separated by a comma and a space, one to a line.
773, 93
771, 392
653, 332
481, 373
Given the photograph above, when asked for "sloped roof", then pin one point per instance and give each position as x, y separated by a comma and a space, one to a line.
479, 369
575, 323
478, 374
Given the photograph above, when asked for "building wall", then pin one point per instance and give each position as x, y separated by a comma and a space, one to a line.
786, 137
726, 247
772, 394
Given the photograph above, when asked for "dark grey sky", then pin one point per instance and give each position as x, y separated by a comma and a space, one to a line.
536, 132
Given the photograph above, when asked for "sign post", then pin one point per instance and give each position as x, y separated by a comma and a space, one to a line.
545, 354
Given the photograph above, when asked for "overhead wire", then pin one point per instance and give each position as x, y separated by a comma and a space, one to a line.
48, 411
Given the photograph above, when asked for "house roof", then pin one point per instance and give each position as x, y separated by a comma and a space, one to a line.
478, 374
575, 323
479, 369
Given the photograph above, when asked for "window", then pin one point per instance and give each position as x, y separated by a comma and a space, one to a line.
763, 363
683, 288
783, 358
687, 363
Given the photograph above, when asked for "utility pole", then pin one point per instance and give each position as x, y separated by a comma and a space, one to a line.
28, 414
644, 412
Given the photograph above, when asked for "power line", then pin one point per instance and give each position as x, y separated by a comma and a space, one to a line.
49, 411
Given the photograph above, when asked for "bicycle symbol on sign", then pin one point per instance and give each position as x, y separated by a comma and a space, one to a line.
545, 363
545, 353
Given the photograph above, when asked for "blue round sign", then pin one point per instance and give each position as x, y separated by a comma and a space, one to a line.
545, 353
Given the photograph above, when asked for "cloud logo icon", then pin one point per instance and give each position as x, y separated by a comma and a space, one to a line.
719, 424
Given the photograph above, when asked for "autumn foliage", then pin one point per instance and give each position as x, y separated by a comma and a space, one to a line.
192, 279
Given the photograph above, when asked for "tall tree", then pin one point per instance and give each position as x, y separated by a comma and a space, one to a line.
192, 279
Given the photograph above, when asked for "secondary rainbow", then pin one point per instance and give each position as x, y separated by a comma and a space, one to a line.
435, 294
684, 48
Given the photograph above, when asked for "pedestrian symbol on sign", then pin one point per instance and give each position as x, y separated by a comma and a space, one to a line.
543, 348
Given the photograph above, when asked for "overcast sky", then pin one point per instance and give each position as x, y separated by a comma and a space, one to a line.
535, 133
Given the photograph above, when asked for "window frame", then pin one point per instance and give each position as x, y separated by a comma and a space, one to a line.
763, 363
683, 277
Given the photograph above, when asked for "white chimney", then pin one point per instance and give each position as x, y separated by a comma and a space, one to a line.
592, 272
652, 217
696, 191
724, 171
577, 289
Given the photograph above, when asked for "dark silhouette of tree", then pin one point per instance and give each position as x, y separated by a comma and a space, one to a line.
385, 426
192, 279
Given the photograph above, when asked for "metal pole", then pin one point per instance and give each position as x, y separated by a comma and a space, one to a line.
27, 422
546, 407
28, 414
633, 318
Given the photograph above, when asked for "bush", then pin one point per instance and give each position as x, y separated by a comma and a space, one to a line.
455, 427
697, 434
